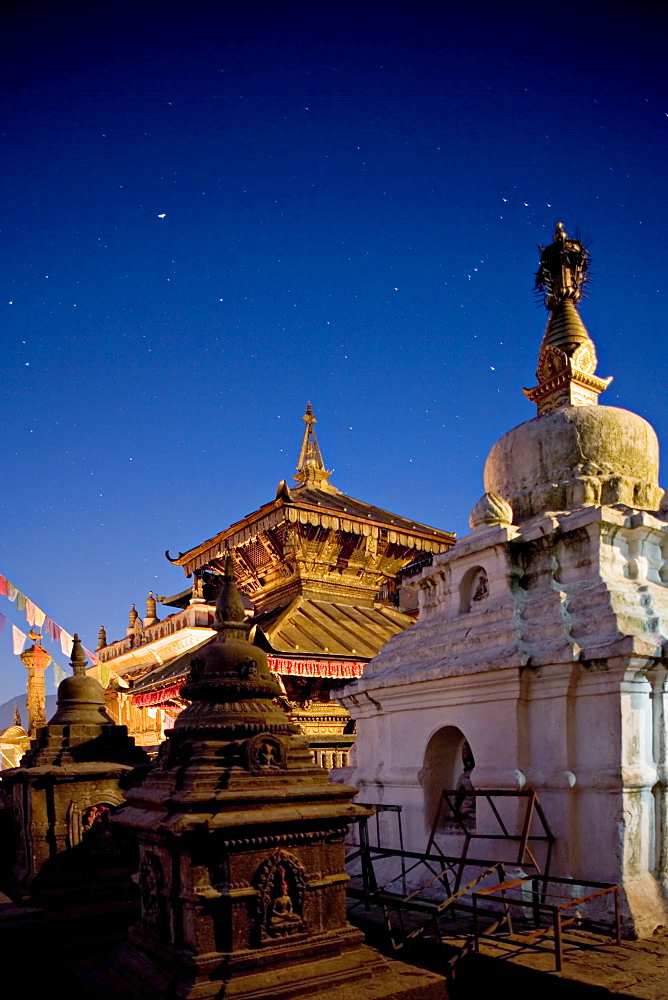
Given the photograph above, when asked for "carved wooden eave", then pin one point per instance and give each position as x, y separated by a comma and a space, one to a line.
278, 511
321, 543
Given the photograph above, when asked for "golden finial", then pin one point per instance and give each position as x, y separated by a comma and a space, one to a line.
311, 471
151, 612
567, 360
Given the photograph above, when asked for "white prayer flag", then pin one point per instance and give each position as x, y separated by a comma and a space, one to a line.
18, 639
66, 642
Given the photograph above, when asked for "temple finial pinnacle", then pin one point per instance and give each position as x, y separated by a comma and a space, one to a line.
311, 469
567, 360
230, 611
78, 658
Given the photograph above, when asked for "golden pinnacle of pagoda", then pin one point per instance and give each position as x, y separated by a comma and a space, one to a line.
567, 359
151, 611
311, 471
132, 618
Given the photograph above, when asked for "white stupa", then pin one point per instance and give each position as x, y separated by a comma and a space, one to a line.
543, 634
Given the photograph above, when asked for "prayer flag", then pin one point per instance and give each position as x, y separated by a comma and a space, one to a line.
40, 617
3, 622
30, 612
3, 585
20, 601
105, 675
12, 592
51, 629
18, 639
59, 674
66, 642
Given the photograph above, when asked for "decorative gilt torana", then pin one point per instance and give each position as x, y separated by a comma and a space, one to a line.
567, 359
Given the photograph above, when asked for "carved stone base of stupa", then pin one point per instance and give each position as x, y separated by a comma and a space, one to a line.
328, 970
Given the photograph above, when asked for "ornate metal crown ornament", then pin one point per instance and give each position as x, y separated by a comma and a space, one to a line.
567, 360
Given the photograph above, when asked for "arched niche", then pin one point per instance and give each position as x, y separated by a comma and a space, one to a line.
448, 763
473, 588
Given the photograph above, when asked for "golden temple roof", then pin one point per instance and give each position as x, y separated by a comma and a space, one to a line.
312, 627
304, 629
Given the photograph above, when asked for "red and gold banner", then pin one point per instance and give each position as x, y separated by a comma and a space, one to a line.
336, 669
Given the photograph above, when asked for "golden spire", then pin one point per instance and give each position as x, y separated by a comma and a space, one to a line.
311, 471
132, 618
151, 612
567, 359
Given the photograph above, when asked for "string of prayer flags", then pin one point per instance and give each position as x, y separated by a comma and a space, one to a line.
36, 617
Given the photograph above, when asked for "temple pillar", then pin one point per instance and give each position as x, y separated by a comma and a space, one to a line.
36, 660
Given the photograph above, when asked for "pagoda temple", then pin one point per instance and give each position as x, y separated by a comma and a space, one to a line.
321, 575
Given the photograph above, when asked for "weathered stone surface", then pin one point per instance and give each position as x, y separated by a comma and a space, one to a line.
556, 676
577, 455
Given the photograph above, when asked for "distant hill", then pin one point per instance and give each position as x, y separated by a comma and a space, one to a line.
7, 710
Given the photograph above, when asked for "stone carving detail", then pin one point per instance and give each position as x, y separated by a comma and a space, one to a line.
480, 588
91, 824
491, 509
473, 588
281, 885
152, 882
265, 753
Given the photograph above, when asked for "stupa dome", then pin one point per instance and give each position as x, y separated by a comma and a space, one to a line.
574, 456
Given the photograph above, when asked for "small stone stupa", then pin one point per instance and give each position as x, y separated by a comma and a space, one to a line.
241, 872
542, 639
63, 793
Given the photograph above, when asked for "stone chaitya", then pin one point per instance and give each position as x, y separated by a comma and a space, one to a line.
63, 794
542, 639
241, 872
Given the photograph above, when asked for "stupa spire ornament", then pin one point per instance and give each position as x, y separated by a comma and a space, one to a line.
311, 469
151, 611
567, 360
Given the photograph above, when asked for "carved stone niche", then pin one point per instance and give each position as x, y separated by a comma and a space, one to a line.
473, 588
281, 885
90, 824
264, 754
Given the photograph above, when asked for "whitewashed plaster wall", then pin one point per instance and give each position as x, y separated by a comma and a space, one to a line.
555, 676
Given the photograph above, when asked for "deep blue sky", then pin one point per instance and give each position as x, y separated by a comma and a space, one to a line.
352, 198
